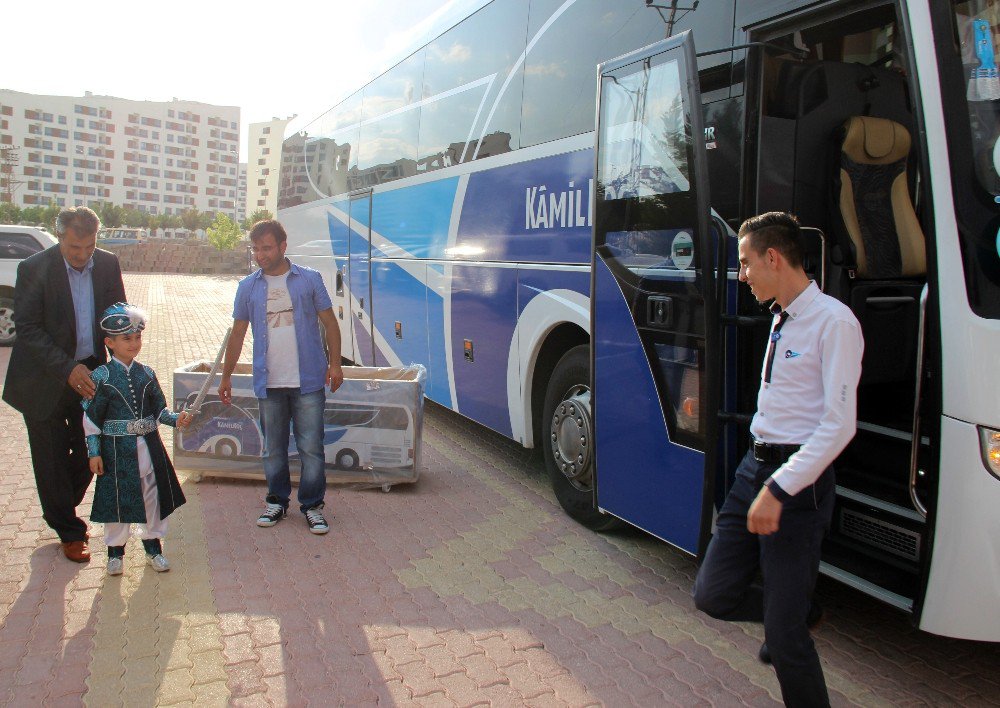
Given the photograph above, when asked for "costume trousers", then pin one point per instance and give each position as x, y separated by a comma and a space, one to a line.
788, 561
118, 534
304, 413
62, 469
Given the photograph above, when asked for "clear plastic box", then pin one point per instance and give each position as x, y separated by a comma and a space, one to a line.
372, 426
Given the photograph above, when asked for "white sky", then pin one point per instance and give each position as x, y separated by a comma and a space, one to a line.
273, 59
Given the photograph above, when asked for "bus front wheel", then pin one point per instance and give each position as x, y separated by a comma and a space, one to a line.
568, 439
347, 459
226, 448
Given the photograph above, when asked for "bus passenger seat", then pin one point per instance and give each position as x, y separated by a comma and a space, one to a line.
881, 244
874, 200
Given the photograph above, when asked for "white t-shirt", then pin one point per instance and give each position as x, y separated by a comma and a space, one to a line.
282, 348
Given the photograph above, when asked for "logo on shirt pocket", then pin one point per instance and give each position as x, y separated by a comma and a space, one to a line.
789, 354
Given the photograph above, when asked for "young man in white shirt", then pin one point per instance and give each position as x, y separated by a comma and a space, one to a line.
282, 303
781, 502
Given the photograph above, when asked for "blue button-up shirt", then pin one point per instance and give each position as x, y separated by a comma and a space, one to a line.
309, 298
81, 285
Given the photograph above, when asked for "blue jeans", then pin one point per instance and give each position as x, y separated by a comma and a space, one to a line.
788, 560
304, 411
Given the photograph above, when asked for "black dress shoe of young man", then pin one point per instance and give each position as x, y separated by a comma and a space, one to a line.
813, 620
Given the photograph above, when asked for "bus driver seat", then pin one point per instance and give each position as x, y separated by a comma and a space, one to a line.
881, 244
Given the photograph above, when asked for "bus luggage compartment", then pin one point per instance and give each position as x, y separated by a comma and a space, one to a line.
371, 432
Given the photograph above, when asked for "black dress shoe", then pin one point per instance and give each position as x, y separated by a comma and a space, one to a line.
764, 654
76, 551
813, 620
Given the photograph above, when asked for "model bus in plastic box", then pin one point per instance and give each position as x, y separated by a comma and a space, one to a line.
371, 431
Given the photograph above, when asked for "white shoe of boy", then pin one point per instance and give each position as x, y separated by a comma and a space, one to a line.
116, 566
159, 563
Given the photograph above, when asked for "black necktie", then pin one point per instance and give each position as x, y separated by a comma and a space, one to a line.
773, 344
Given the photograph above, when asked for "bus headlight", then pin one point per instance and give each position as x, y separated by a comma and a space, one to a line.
990, 442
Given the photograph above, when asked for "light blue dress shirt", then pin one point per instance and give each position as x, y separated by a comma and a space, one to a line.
309, 298
81, 285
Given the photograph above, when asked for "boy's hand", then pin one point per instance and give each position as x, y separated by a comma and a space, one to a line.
97, 466
184, 419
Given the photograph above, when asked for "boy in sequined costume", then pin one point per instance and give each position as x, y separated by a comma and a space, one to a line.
136, 483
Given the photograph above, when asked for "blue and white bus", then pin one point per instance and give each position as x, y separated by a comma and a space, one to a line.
574, 287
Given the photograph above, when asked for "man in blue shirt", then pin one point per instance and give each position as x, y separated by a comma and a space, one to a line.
282, 303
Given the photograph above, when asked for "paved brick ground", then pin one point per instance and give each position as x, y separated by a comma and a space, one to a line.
470, 587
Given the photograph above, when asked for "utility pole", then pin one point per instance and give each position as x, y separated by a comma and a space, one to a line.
672, 9
8, 180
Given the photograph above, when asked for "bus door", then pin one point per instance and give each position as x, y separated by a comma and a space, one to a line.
360, 252
653, 317
340, 292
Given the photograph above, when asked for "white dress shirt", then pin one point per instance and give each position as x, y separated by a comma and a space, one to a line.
811, 399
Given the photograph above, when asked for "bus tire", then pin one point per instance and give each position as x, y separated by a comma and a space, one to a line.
225, 448
347, 459
567, 439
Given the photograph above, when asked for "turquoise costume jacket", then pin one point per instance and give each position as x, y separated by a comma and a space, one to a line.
129, 403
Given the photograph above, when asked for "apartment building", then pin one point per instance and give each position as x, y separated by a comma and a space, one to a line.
264, 165
157, 157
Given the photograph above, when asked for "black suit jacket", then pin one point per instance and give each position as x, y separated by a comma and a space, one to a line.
45, 323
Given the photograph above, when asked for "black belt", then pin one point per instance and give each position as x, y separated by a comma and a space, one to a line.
772, 454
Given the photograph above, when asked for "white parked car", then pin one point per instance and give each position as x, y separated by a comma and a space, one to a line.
16, 244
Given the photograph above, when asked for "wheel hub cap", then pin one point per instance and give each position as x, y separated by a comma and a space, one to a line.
571, 437
6, 322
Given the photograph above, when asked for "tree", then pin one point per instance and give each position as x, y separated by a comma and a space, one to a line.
259, 215
223, 233
111, 215
9, 213
32, 215
137, 219
205, 219
49, 215
191, 219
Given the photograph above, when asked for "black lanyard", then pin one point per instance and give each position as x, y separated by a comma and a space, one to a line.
773, 344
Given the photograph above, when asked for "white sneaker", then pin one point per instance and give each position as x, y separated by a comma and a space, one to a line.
116, 566
159, 563
272, 514
317, 524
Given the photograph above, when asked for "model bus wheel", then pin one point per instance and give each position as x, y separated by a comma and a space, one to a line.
225, 448
568, 442
347, 459
7, 335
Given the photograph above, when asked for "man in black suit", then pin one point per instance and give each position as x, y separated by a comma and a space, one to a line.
59, 295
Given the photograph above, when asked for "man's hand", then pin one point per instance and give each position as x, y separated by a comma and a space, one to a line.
184, 419
79, 381
97, 466
225, 390
334, 376
765, 514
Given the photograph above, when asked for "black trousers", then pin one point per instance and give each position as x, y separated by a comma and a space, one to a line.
62, 468
788, 561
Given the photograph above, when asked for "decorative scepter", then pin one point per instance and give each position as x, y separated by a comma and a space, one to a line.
195, 408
